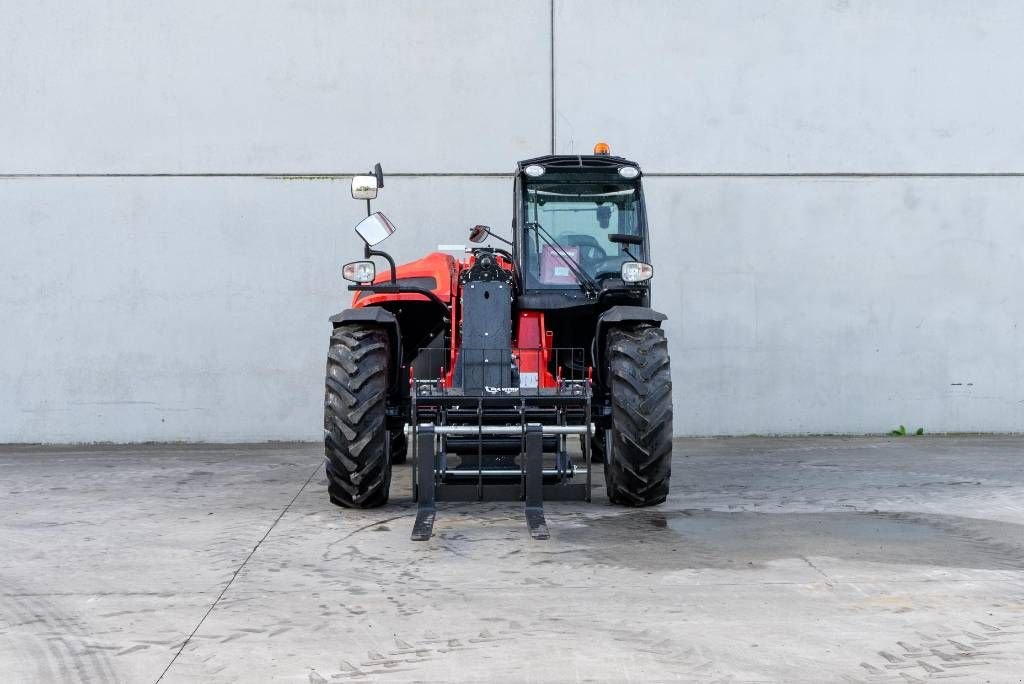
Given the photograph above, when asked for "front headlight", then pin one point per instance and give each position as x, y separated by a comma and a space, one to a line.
636, 272
359, 271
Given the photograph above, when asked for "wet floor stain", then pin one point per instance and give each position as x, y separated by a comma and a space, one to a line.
714, 539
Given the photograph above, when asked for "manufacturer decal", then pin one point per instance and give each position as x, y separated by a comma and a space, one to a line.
501, 390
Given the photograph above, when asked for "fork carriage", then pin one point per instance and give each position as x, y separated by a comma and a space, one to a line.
499, 443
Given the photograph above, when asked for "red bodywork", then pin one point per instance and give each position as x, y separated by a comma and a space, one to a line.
443, 268
532, 343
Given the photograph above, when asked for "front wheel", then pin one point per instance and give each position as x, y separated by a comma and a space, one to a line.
640, 385
357, 465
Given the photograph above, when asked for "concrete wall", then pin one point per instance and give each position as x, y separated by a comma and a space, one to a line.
835, 193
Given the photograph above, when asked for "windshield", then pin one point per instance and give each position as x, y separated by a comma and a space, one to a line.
579, 218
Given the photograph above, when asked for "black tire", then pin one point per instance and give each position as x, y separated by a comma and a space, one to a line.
358, 470
640, 384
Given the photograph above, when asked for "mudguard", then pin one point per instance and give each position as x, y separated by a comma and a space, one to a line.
616, 316
381, 317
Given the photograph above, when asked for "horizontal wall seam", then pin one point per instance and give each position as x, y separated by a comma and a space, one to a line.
840, 174
333, 175
287, 176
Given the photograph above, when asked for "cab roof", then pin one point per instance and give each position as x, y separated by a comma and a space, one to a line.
567, 162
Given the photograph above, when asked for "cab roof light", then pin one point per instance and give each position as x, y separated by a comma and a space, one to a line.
602, 148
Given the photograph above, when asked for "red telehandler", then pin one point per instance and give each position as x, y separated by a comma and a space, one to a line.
497, 362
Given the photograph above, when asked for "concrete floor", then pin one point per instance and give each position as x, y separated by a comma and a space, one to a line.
812, 559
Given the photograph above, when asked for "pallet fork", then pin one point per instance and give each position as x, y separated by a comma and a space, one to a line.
568, 411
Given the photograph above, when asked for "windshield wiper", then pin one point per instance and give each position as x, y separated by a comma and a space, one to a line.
584, 280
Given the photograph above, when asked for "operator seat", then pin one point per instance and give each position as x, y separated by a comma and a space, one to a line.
591, 252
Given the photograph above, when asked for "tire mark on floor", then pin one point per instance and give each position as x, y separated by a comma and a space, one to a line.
946, 653
61, 642
409, 652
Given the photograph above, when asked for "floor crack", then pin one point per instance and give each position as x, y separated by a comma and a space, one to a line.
238, 570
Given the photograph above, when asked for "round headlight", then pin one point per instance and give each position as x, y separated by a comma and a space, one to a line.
533, 170
629, 171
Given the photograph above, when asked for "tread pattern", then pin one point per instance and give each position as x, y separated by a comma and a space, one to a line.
640, 384
358, 470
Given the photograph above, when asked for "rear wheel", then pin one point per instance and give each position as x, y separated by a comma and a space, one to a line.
640, 384
358, 469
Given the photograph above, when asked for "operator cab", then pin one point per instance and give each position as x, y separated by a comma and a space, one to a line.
580, 229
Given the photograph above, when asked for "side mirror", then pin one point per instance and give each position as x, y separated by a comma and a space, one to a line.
479, 233
375, 228
364, 187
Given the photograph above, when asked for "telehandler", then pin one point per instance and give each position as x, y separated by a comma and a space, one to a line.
496, 360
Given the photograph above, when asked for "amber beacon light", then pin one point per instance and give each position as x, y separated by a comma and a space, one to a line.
602, 148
